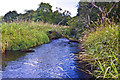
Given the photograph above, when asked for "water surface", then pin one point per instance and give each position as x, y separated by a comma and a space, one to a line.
53, 60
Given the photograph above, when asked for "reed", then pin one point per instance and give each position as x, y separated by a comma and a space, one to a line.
26, 34
103, 45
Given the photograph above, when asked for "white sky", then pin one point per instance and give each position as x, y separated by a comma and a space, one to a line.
21, 5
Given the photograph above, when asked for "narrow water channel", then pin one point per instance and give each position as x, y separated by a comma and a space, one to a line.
53, 60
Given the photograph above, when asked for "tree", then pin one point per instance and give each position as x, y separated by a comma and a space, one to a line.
87, 13
29, 15
43, 13
10, 16
64, 16
91, 11
106, 9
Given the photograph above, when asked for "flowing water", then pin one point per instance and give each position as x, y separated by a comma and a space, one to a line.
53, 60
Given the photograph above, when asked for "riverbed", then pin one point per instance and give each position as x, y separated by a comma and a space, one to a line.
52, 60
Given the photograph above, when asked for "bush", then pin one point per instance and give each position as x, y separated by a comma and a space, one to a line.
103, 45
23, 35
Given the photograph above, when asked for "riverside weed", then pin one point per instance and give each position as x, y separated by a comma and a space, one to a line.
23, 35
103, 45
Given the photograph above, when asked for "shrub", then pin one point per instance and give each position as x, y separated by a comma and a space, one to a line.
103, 45
23, 35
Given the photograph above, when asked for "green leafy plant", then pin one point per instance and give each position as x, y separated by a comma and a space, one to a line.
23, 35
103, 45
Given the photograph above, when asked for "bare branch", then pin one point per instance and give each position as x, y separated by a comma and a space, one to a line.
91, 8
111, 8
60, 21
97, 7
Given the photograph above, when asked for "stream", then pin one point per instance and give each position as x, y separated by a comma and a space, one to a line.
52, 60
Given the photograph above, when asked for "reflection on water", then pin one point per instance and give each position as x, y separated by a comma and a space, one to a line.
53, 60
11, 56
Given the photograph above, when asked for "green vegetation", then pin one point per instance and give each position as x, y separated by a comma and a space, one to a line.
101, 31
43, 13
23, 35
103, 46
88, 13
96, 23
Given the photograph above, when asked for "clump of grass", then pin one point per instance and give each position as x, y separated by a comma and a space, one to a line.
103, 46
23, 35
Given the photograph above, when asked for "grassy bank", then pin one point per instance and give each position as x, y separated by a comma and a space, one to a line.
102, 45
23, 35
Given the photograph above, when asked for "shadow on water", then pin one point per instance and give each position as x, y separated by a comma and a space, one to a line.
11, 56
53, 60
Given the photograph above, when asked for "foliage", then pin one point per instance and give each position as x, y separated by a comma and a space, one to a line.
43, 13
10, 16
87, 14
23, 35
28, 15
103, 45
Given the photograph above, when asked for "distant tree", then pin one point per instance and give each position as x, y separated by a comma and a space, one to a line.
43, 13
91, 11
87, 13
29, 15
105, 8
63, 16
56, 17
10, 16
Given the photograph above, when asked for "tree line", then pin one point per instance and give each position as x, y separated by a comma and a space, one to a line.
43, 13
92, 11
86, 12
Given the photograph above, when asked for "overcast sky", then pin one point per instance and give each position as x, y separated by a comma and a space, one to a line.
21, 5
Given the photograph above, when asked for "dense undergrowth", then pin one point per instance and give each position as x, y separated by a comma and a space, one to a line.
103, 46
24, 35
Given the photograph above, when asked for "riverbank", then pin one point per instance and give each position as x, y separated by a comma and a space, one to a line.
24, 35
99, 53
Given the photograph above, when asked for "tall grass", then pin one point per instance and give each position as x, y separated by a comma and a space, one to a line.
103, 45
23, 35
